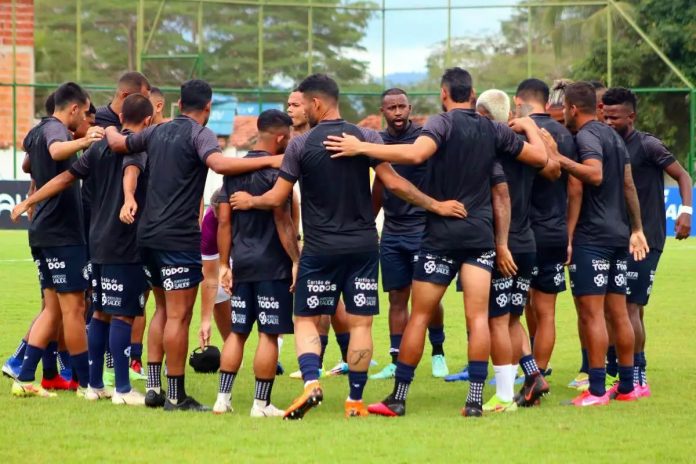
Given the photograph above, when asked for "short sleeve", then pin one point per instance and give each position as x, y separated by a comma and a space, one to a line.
138, 160
290, 169
55, 131
589, 146
497, 173
372, 136
225, 189
657, 152
136, 143
205, 142
81, 167
507, 142
437, 128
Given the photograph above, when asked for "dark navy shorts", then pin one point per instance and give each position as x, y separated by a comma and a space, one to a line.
509, 294
119, 289
397, 257
640, 277
597, 270
322, 279
268, 302
63, 269
172, 270
441, 267
549, 272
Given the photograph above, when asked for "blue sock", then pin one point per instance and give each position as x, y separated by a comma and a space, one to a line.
310, 363
324, 339
402, 380
478, 371
343, 339
636, 369
625, 379
80, 365
643, 364
32, 356
98, 332
64, 364
136, 353
597, 378
394, 344
436, 335
120, 343
357, 381
19, 352
529, 367
585, 366
49, 360
612, 362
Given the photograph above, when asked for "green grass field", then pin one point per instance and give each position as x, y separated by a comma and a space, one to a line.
68, 429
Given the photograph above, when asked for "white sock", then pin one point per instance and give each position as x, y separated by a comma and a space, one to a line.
280, 343
260, 404
225, 398
513, 376
501, 381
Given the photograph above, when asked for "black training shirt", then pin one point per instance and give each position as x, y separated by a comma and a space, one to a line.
257, 251
462, 169
58, 221
337, 216
603, 218
176, 154
649, 159
401, 217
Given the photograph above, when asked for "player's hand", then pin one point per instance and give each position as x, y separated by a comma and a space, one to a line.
449, 208
128, 210
638, 246
30, 212
521, 125
204, 334
295, 268
682, 228
346, 145
276, 161
241, 201
569, 250
503, 259
18, 210
226, 279
549, 141
94, 134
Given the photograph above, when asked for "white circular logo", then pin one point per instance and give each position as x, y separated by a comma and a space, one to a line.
168, 284
429, 267
262, 317
620, 280
85, 273
501, 300
360, 300
517, 299
599, 280
103, 299
234, 317
558, 279
313, 301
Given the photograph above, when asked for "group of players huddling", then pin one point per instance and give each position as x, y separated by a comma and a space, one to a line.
501, 198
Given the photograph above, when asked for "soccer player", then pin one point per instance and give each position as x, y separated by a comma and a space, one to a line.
158, 101
457, 141
179, 153
265, 256
601, 240
56, 235
556, 100
116, 265
300, 122
340, 252
401, 237
548, 220
650, 159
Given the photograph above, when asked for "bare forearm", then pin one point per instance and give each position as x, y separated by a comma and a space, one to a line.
632, 203
288, 239
400, 154
236, 166
63, 150
224, 242
588, 174
685, 189
51, 188
410, 194
574, 205
116, 140
500, 198
130, 181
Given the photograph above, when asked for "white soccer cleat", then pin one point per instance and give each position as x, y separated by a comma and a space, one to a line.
132, 398
222, 407
94, 394
266, 411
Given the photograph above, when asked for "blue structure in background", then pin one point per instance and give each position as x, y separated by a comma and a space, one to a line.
226, 107
672, 202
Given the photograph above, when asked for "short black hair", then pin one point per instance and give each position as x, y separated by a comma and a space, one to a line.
321, 84
459, 83
273, 119
69, 93
156, 91
92, 109
597, 85
50, 104
533, 89
136, 107
133, 82
195, 95
583, 96
394, 91
620, 96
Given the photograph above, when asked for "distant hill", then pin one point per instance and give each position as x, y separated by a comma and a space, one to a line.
404, 78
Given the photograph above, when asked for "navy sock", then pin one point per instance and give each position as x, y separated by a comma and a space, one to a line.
324, 339
154, 375
597, 378
478, 371
263, 390
643, 364
585, 366
402, 380
49, 360
80, 366
177, 389
226, 381
436, 335
343, 339
97, 338
529, 366
394, 344
356, 382
19, 352
636, 369
119, 341
32, 356
64, 361
310, 363
136, 353
612, 362
625, 379
109, 358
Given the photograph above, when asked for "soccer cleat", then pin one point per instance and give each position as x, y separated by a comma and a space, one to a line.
472, 410
108, 378
154, 399
311, 397
386, 373
461, 376
355, 408
221, 406
615, 394
339, 369
74, 385
187, 404
610, 381
581, 382
12, 367
279, 369
136, 371
495, 404
531, 393
56, 383
266, 411
132, 398
66, 373
389, 407
94, 394
25, 390
588, 399
439, 366
643, 391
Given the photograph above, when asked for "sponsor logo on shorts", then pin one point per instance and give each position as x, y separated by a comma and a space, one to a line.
572, 268
522, 284
503, 283
238, 318
361, 300
87, 271
267, 302
268, 319
600, 280
600, 265
54, 264
518, 299
501, 300
619, 280
313, 301
237, 302
111, 285
320, 286
170, 280
632, 275
429, 267
622, 265
558, 279
141, 300
487, 259
365, 284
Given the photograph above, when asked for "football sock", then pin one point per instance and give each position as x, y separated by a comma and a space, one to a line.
310, 363
636, 369
263, 391
356, 382
49, 360
394, 344
97, 338
80, 367
529, 367
643, 364
503, 386
402, 380
154, 376
119, 341
612, 362
478, 371
625, 379
436, 335
32, 356
136, 353
343, 339
177, 389
585, 366
597, 377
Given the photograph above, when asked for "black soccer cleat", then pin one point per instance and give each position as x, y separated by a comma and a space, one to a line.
155, 400
389, 407
472, 410
531, 393
187, 404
